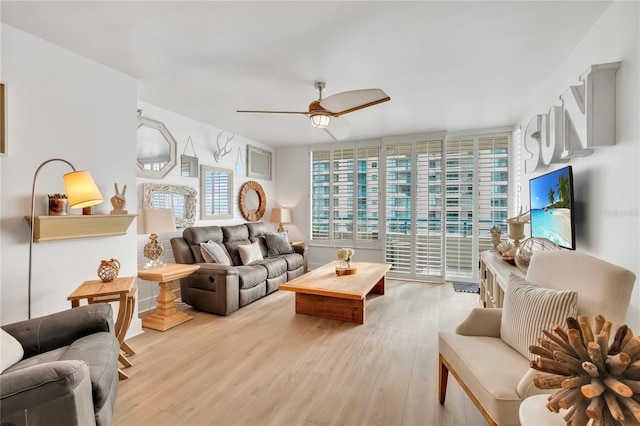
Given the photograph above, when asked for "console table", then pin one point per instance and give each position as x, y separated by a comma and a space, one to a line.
494, 274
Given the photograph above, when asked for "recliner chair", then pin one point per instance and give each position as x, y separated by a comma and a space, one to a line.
69, 372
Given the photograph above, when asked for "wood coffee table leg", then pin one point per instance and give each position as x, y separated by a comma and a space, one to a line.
166, 316
351, 310
380, 286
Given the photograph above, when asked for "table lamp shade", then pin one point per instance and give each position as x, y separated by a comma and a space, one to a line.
281, 215
155, 221
82, 190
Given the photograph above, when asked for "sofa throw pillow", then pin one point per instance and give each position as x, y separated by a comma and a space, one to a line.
11, 350
528, 309
213, 253
278, 243
250, 253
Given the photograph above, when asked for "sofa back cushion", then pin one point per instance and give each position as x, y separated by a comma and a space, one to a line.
257, 230
235, 236
529, 309
196, 235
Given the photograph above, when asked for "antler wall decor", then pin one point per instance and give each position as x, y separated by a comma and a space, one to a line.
222, 150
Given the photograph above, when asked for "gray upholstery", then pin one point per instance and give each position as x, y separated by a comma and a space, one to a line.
222, 289
69, 372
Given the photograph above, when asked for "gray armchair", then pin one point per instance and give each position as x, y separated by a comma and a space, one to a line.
69, 372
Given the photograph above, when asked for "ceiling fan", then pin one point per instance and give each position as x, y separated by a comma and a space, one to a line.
322, 111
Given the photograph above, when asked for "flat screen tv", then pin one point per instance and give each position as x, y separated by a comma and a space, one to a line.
552, 207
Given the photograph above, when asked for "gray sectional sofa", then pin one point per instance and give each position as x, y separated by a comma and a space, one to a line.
230, 274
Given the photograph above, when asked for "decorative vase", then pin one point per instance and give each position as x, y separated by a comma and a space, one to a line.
108, 270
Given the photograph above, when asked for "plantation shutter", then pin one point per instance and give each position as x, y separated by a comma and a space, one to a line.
320, 194
459, 182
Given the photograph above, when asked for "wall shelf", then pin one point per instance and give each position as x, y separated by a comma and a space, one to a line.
55, 228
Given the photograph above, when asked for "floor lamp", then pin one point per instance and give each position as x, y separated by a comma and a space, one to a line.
82, 191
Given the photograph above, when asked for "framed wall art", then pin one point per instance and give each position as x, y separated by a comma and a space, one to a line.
258, 163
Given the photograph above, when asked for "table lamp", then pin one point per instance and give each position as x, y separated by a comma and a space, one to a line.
82, 192
280, 215
155, 221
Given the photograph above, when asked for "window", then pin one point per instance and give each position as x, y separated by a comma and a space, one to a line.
216, 187
456, 190
347, 181
493, 187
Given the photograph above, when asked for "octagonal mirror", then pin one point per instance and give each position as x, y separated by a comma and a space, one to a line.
155, 149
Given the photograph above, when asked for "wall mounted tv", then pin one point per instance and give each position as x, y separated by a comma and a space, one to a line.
552, 207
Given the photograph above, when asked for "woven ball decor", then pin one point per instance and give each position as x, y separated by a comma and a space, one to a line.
108, 270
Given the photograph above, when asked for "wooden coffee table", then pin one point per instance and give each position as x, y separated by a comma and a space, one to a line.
322, 293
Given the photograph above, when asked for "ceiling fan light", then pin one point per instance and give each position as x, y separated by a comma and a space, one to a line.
320, 121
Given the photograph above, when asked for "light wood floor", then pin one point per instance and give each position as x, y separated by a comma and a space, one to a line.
265, 365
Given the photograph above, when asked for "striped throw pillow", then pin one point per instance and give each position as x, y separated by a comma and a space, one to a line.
529, 309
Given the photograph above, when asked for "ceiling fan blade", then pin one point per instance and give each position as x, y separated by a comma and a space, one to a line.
338, 128
353, 100
273, 112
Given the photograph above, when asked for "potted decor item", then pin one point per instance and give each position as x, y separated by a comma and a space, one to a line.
345, 255
58, 204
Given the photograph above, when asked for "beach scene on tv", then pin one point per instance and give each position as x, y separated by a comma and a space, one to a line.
551, 207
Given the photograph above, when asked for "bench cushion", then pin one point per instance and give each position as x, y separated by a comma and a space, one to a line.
475, 358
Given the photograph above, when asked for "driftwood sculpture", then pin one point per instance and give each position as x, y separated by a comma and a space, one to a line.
597, 380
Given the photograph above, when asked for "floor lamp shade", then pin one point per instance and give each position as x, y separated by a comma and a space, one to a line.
82, 190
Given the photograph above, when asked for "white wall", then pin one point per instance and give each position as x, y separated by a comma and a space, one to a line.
606, 182
204, 138
61, 105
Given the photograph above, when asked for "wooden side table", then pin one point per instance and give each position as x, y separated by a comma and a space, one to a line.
119, 290
166, 315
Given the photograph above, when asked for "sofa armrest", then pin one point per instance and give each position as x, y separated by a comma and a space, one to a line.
304, 251
52, 391
300, 248
481, 322
43, 334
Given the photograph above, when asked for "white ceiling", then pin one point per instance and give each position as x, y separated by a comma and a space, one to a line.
446, 65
